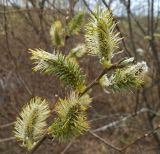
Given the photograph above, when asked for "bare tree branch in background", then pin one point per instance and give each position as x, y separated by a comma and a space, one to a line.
128, 5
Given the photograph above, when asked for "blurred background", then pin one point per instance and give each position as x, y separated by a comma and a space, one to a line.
119, 118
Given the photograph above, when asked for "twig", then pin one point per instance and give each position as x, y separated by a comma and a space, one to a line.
89, 9
95, 135
135, 20
113, 67
127, 146
6, 125
7, 139
137, 101
140, 138
67, 147
130, 28
39, 143
104, 141
117, 122
12, 57
20, 79
58, 10
25, 10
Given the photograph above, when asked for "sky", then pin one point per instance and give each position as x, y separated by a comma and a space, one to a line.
138, 7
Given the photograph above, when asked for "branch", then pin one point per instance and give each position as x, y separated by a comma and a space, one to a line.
140, 138
7, 139
104, 141
37, 10
113, 67
85, 3
117, 122
6, 125
67, 147
127, 146
134, 18
58, 10
39, 143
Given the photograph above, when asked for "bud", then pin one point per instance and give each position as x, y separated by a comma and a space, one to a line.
78, 51
133, 76
105, 83
127, 61
140, 69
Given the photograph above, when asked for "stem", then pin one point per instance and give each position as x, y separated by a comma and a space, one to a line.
113, 67
39, 143
106, 70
